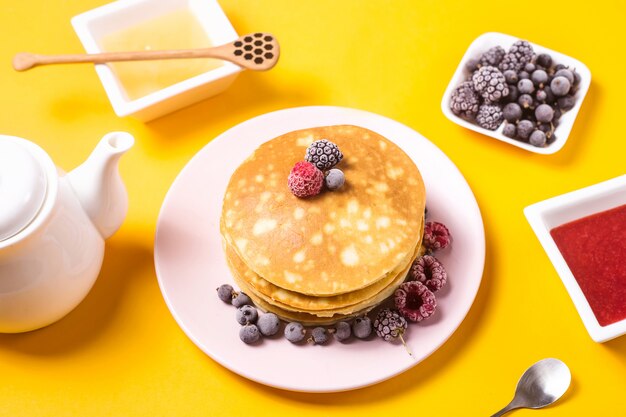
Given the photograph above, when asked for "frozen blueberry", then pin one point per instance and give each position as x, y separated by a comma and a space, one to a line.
335, 179
525, 100
512, 112
294, 332
544, 113
510, 76
576, 78
544, 60
539, 77
509, 130
537, 138
343, 331
565, 73
249, 334
268, 324
241, 299
559, 67
225, 293
541, 95
560, 86
246, 314
524, 129
513, 94
566, 102
525, 86
529, 68
362, 327
523, 75
319, 336
549, 95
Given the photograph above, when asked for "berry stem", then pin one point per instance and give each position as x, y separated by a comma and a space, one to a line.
408, 350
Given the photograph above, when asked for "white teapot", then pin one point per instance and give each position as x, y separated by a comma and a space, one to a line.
52, 228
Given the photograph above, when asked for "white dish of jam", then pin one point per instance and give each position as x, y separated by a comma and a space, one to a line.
584, 235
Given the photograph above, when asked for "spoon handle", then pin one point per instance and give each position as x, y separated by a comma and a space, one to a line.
506, 409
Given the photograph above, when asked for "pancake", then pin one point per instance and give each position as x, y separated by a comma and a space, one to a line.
337, 242
320, 306
396, 280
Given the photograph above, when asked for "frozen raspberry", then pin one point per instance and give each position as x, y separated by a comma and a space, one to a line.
436, 236
305, 180
415, 301
430, 272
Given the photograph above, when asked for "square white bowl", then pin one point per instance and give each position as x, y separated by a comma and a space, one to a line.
566, 122
565, 208
91, 26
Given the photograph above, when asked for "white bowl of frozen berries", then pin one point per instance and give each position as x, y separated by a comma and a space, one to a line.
518, 92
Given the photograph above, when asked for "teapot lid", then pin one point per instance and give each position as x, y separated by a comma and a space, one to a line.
23, 186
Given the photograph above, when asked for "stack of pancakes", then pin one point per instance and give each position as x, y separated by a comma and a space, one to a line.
329, 257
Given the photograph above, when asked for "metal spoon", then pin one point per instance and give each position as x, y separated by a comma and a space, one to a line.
541, 385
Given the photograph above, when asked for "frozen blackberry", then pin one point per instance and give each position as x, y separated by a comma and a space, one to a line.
342, 331
512, 112
560, 86
472, 65
524, 129
565, 73
490, 84
246, 315
249, 334
225, 293
323, 154
492, 57
537, 138
334, 179
294, 332
525, 100
362, 327
510, 76
539, 77
241, 299
544, 113
268, 324
390, 325
318, 336
541, 96
566, 102
489, 116
525, 86
544, 60
436, 236
520, 54
464, 101
509, 130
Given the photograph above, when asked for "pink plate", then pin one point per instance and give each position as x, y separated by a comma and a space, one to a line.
190, 263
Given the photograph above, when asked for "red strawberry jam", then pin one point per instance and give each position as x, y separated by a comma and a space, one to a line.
594, 248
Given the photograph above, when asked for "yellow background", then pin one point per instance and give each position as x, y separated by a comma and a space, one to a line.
121, 353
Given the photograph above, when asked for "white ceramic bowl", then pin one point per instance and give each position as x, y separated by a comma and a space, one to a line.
491, 39
91, 26
565, 208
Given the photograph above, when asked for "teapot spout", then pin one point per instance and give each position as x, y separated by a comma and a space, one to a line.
98, 185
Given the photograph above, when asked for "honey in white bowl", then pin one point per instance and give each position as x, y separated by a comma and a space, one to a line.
179, 29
